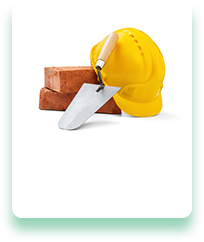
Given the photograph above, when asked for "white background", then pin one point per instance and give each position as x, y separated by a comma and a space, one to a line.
144, 170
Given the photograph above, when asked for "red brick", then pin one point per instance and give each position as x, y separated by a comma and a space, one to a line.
52, 100
69, 79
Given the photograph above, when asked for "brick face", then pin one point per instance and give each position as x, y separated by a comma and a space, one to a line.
52, 100
69, 79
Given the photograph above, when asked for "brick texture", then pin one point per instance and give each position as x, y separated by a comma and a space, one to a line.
69, 79
52, 100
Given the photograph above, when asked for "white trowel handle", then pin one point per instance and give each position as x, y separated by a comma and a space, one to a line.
107, 50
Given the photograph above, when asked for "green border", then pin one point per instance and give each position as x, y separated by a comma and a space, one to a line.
14, 229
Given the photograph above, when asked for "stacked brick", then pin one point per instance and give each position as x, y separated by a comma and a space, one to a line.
62, 84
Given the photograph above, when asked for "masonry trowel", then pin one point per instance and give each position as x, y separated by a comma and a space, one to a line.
90, 97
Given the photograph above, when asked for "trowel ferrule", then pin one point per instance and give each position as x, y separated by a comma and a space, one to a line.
100, 63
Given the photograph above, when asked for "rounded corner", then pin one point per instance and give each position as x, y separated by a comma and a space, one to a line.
188, 214
14, 2
189, 1
15, 214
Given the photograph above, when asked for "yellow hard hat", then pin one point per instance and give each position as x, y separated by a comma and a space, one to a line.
137, 66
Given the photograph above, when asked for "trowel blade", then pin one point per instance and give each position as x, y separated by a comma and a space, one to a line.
86, 102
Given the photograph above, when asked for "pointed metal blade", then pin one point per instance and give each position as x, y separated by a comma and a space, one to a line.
86, 102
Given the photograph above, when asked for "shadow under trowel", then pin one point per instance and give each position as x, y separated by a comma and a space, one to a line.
96, 124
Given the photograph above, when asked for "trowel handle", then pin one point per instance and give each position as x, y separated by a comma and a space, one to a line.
107, 49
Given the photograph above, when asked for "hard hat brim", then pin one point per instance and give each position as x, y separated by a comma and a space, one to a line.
139, 109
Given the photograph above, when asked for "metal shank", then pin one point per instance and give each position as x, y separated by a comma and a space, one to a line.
100, 79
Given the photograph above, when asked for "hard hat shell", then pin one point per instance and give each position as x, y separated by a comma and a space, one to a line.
137, 65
